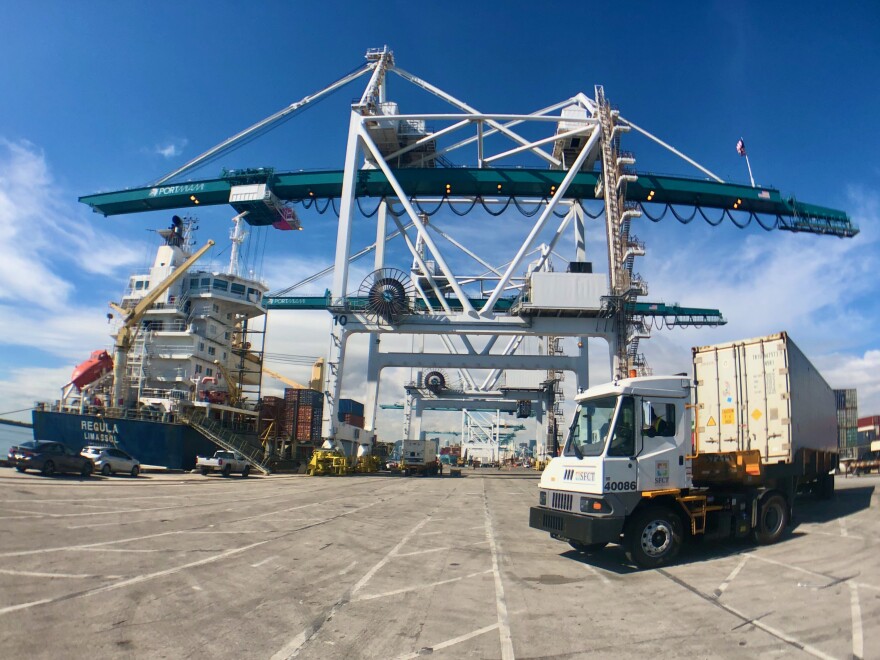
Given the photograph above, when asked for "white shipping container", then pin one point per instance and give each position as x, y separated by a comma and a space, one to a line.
762, 394
418, 451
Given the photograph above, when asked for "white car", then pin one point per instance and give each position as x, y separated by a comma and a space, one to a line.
108, 460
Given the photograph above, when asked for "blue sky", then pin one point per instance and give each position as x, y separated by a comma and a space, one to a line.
107, 95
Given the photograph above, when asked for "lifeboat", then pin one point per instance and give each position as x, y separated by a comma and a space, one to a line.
89, 371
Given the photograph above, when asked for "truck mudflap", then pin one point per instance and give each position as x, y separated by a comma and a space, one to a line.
585, 529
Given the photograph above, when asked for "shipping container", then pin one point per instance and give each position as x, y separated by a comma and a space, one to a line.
307, 397
350, 406
352, 419
846, 399
852, 437
418, 452
762, 394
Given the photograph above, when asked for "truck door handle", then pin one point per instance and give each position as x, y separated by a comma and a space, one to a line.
681, 460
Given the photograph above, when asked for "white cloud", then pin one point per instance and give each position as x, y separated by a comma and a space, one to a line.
47, 245
170, 149
21, 387
48, 251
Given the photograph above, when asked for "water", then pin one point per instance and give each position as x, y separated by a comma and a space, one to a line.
12, 435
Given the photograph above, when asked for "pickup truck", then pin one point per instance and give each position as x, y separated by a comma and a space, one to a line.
225, 462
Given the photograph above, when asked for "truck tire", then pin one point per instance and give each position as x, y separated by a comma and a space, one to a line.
826, 486
205, 471
48, 469
654, 537
772, 519
246, 471
587, 548
227, 470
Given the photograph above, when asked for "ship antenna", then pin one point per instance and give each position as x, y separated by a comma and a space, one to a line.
237, 235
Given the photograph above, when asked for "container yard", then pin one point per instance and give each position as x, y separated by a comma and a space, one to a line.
292, 566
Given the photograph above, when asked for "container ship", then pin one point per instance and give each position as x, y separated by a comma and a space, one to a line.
184, 375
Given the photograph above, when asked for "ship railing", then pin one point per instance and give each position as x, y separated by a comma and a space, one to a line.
228, 440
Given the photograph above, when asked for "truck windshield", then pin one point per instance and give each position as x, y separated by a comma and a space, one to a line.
589, 429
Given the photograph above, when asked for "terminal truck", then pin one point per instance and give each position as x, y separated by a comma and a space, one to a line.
652, 462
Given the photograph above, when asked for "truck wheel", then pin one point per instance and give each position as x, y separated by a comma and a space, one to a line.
205, 472
227, 470
106, 470
587, 548
826, 486
654, 537
48, 469
772, 520
86, 470
246, 471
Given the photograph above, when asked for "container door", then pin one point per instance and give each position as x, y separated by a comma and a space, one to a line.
766, 400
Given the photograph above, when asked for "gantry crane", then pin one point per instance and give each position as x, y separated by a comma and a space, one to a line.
407, 172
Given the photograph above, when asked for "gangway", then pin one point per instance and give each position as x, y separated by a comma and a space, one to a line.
226, 439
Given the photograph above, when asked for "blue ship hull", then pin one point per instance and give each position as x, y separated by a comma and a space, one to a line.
171, 445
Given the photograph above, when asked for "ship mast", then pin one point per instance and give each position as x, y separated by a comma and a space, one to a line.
237, 236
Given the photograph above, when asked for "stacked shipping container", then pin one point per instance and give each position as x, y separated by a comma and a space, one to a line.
847, 422
869, 430
847, 418
302, 420
351, 412
273, 409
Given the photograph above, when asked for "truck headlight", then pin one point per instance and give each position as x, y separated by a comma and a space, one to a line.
542, 498
594, 505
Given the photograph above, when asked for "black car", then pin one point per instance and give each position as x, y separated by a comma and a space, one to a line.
48, 457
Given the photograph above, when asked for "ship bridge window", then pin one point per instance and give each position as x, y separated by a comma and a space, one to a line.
221, 285
253, 292
194, 283
205, 283
237, 288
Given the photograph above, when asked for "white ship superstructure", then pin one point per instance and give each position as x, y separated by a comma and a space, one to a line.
195, 342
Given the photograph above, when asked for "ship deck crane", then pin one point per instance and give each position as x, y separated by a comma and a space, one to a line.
314, 381
131, 319
232, 387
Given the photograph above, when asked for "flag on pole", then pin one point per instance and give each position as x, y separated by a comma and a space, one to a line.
741, 147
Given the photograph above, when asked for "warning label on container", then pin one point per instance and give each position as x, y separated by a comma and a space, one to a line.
756, 414
728, 416
711, 422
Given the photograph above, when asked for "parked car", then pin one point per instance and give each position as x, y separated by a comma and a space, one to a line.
108, 460
225, 462
48, 457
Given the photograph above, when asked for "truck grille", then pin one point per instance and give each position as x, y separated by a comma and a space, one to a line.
561, 501
549, 521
